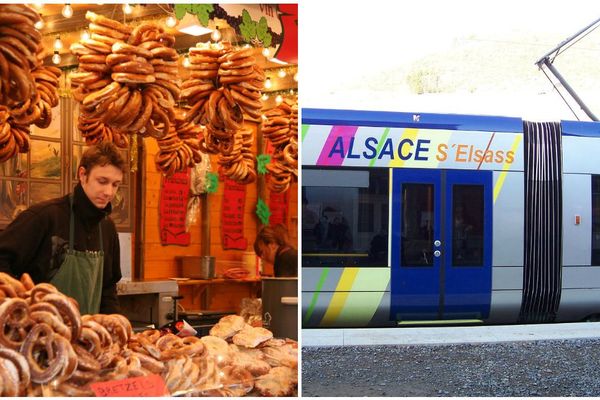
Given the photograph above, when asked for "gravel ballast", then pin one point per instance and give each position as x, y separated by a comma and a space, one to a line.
539, 368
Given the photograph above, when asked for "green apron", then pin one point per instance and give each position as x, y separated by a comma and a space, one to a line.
80, 274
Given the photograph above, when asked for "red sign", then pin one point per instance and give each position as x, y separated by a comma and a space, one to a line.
278, 205
232, 216
288, 51
174, 193
141, 386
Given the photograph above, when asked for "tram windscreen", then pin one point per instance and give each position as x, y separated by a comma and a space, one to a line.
345, 216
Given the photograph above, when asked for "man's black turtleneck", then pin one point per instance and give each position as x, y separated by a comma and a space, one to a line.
35, 242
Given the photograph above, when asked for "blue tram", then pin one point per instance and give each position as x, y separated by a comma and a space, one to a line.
410, 217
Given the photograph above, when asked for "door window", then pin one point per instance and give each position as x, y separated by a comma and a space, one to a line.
417, 225
467, 225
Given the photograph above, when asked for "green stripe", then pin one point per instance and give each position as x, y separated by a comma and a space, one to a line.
380, 145
305, 129
315, 297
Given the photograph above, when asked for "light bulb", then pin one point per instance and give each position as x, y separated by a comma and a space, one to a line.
127, 9
39, 6
56, 57
216, 35
292, 92
268, 83
266, 52
281, 73
85, 35
296, 77
247, 46
278, 99
39, 25
265, 97
67, 11
171, 21
58, 44
186, 61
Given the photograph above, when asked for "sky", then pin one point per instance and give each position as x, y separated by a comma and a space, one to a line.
344, 45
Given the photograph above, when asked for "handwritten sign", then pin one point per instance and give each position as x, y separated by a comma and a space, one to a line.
174, 193
141, 386
232, 216
278, 205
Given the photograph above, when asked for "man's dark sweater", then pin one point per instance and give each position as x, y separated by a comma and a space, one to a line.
36, 241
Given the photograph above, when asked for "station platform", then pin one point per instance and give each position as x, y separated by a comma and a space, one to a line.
448, 334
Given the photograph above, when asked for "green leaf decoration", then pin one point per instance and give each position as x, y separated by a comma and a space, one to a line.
212, 182
262, 32
202, 11
263, 212
262, 160
247, 27
181, 9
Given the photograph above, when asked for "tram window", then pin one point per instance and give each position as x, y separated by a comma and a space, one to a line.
595, 219
342, 217
417, 225
467, 225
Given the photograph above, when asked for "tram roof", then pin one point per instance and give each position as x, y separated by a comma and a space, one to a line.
463, 122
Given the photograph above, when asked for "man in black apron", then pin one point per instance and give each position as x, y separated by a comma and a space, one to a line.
70, 241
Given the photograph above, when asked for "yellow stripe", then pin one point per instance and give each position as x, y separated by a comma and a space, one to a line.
506, 167
338, 300
409, 133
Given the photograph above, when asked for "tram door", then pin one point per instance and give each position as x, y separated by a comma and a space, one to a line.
441, 244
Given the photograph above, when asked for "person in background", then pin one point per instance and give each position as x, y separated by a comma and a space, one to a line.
273, 246
70, 241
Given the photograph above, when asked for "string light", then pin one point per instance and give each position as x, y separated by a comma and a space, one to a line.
40, 24
296, 77
56, 57
278, 99
85, 35
127, 9
186, 61
216, 35
266, 52
281, 73
171, 21
265, 97
67, 11
39, 6
58, 44
268, 84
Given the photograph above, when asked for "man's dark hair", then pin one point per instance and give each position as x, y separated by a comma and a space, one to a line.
104, 153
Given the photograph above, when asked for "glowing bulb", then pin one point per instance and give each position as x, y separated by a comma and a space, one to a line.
281, 73
39, 25
247, 46
296, 77
265, 97
266, 52
127, 9
171, 21
216, 35
58, 44
278, 99
56, 57
67, 11
39, 6
268, 84
186, 62
85, 35
292, 92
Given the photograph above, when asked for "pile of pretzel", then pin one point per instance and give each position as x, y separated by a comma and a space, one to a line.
280, 127
224, 85
180, 148
127, 81
48, 349
28, 90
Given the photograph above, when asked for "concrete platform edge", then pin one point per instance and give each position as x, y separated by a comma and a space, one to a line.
448, 335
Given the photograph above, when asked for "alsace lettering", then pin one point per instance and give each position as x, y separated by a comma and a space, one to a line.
418, 150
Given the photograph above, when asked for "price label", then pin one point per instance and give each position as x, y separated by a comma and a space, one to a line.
141, 386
